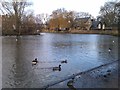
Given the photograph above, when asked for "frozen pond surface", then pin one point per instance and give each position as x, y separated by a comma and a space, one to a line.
82, 51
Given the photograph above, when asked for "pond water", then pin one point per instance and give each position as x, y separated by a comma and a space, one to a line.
82, 51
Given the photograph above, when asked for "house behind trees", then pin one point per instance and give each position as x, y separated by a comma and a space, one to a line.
98, 25
82, 23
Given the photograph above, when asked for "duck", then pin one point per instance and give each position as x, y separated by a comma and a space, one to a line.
34, 62
108, 72
64, 61
109, 50
105, 76
57, 68
70, 82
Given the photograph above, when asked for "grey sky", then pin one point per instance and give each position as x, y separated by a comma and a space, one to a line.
47, 6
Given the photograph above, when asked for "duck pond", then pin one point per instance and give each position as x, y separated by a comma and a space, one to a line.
82, 52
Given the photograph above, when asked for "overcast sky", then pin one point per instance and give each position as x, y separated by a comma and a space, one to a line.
47, 6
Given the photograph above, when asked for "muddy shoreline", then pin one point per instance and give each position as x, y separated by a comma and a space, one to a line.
104, 76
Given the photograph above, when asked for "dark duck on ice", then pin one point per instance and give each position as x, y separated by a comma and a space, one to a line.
34, 62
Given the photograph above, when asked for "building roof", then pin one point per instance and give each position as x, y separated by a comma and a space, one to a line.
82, 19
95, 23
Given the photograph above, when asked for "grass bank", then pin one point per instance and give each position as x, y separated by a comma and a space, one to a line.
102, 32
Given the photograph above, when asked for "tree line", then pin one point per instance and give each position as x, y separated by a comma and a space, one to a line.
19, 21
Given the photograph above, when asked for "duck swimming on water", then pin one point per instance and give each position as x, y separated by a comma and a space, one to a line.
64, 61
109, 50
57, 68
34, 62
70, 84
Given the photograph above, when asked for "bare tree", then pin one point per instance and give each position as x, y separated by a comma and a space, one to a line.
39, 18
109, 13
15, 8
61, 19
82, 15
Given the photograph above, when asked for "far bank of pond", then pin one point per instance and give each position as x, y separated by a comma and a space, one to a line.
103, 32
